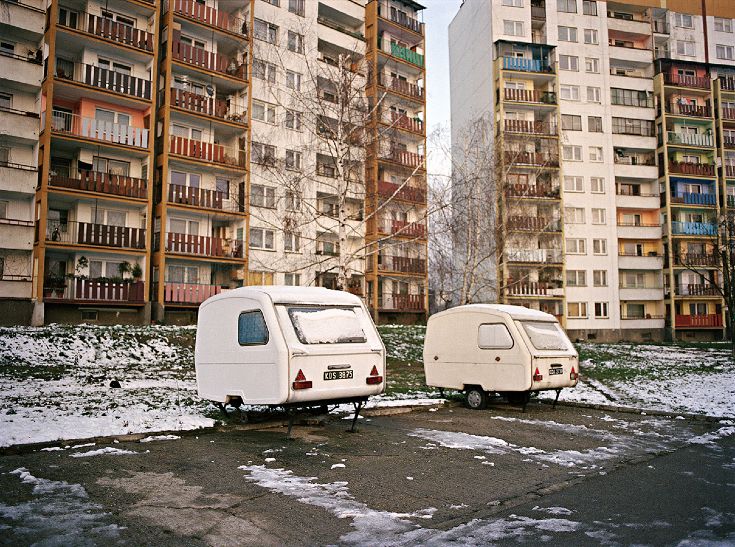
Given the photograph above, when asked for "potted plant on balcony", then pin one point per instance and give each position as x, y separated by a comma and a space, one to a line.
137, 272
123, 268
53, 286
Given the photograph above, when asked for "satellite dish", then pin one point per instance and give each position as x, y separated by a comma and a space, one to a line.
210, 90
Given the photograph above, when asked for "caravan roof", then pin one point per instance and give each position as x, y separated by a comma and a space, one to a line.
291, 295
515, 312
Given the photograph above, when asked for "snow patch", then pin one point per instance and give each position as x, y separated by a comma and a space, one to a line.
108, 450
152, 438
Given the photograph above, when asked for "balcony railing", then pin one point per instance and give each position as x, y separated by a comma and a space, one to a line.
553, 256
690, 139
201, 197
92, 290
695, 321
99, 130
209, 16
696, 289
728, 142
532, 191
402, 302
401, 121
99, 235
533, 224
104, 78
533, 288
730, 170
204, 245
401, 52
539, 159
224, 109
635, 160
686, 81
401, 86
693, 228
526, 65
531, 127
112, 30
188, 293
727, 83
697, 169
693, 259
689, 110
689, 198
401, 264
728, 113
406, 193
206, 151
407, 159
529, 96
660, 27
405, 229
209, 60
103, 183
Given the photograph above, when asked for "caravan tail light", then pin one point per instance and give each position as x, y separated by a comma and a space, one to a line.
374, 377
301, 382
537, 376
573, 375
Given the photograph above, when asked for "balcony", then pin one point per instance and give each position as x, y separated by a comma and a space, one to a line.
695, 260
26, 70
188, 293
201, 197
632, 292
402, 264
688, 198
690, 139
660, 26
532, 224
401, 121
532, 191
730, 171
689, 110
698, 321
98, 235
207, 151
402, 192
113, 31
537, 159
727, 83
223, 109
402, 302
20, 124
637, 201
24, 17
208, 60
403, 229
16, 177
196, 245
400, 18
640, 262
728, 142
533, 256
403, 87
407, 159
97, 291
696, 169
520, 64
728, 113
681, 80
530, 127
695, 289
103, 183
693, 228
631, 230
65, 123
529, 96
209, 16
103, 78
401, 52
534, 288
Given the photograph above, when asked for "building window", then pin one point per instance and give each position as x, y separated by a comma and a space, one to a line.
264, 112
683, 20
571, 153
574, 215
590, 36
594, 124
631, 97
596, 153
592, 64
599, 246
568, 62
297, 7
513, 28
723, 25
262, 196
599, 278
724, 52
577, 310
685, 48
597, 185
566, 6
567, 34
295, 42
293, 80
273, 2
293, 160
264, 71
263, 30
576, 246
598, 216
601, 310
589, 7
570, 122
293, 200
569, 92
260, 278
291, 242
593, 95
513, 3
573, 184
628, 126
293, 120
264, 154
292, 279
260, 238
576, 278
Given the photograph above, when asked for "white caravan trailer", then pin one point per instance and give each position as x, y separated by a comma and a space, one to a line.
287, 346
511, 350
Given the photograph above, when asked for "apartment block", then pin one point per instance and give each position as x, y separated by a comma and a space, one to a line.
187, 147
611, 129
21, 30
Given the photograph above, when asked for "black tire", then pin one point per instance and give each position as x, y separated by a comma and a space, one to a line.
476, 398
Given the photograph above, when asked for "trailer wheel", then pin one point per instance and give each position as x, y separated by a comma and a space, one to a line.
476, 398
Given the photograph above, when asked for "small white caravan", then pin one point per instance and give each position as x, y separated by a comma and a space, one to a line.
511, 350
287, 346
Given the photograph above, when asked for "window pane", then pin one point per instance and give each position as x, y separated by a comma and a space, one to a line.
251, 329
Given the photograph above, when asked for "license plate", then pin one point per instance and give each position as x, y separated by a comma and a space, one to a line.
555, 371
338, 375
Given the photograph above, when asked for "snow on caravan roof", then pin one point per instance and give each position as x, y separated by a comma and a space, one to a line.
515, 312
291, 295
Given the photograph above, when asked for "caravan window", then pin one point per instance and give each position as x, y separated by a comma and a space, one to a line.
322, 325
545, 335
251, 329
494, 337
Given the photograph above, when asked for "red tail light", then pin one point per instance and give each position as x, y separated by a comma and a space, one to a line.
573, 375
301, 382
374, 377
537, 376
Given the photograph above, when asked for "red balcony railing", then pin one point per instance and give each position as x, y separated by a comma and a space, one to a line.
532, 127
687, 81
209, 60
531, 158
408, 159
92, 290
689, 110
728, 142
103, 183
202, 197
204, 245
99, 235
201, 104
730, 170
406, 229
728, 113
206, 151
402, 264
399, 302
697, 169
698, 321
401, 86
110, 30
396, 119
696, 289
188, 293
210, 16
406, 193
104, 78
691, 259
727, 83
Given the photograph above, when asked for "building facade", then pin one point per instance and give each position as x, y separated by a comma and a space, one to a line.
185, 148
612, 133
